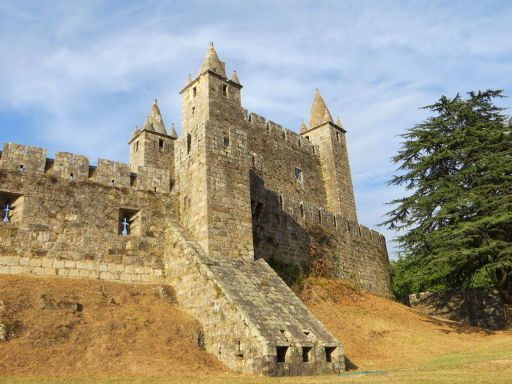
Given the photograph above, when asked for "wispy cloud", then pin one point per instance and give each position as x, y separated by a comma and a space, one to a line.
79, 76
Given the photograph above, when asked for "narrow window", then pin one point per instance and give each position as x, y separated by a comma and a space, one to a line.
281, 354
253, 161
129, 221
189, 142
193, 110
161, 144
281, 201
307, 137
284, 135
226, 141
301, 210
71, 177
320, 216
21, 168
338, 137
239, 352
298, 175
10, 204
267, 127
224, 89
137, 146
335, 222
299, 143
113, 183
194, 91
328, 353
305, 354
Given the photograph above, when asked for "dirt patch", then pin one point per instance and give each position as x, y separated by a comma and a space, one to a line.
84, 327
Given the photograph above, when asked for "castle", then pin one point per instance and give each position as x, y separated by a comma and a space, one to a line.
206, 213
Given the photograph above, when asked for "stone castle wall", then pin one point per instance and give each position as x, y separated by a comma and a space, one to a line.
284, 208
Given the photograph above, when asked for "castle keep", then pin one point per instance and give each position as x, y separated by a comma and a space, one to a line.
206, 213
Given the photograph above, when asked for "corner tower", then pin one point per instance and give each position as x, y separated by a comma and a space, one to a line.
330, 138
151, 146
213, 162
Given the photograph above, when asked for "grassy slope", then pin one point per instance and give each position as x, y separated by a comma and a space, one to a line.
377, 334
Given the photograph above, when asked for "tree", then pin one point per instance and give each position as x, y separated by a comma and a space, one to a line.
456, 224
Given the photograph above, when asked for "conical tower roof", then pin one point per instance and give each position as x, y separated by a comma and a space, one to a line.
148, 126
173, 133
135, 132
319, 111
212, 62
234, 78
156, 119
303, 127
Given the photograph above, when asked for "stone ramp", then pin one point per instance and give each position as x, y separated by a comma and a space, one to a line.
252, 321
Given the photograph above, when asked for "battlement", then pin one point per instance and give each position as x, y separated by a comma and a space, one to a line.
28, 160
278, 132
308, 214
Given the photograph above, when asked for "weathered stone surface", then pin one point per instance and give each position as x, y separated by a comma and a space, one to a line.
204, 210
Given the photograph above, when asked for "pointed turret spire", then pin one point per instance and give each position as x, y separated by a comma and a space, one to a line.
136, 131
156, 119
338, 122
212, 62
173, 133
319, 111
303, 127
147, 125
234, 78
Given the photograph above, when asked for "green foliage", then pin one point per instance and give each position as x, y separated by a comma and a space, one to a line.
456, 223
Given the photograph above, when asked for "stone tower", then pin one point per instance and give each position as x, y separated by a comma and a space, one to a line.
151, 146
213, 163
330, 138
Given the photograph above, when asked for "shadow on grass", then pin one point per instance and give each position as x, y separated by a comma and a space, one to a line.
450, 326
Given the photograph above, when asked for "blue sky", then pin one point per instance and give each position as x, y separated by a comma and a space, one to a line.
78, 76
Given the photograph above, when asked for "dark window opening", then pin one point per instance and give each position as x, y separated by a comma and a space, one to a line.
133, 179
284, 135
137, 146
226, 141
301, 213
335, 222
154, 188
307, 137
320, 216
129, 222
281, 201
193, 110
253, 161
305, 354
21, 168
267, 127
10, 207
194, 91
313, 150
299, 143
224, 89
257, 209
161, 144
71, 177
298, 175
189, 142
281, 354
328, 353
113, 183
338, 137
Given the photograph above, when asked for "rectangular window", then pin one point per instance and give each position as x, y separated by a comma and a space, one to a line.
161, 144
338, 137
298, 175
194, 91
224, 89
129, 222
329, 353
305, 354
226, 141
137, 146
10, 207
281, 354
189, 142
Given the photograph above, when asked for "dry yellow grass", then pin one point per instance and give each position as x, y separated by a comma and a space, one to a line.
378, 334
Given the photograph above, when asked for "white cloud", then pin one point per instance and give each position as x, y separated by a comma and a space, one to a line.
88, 71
